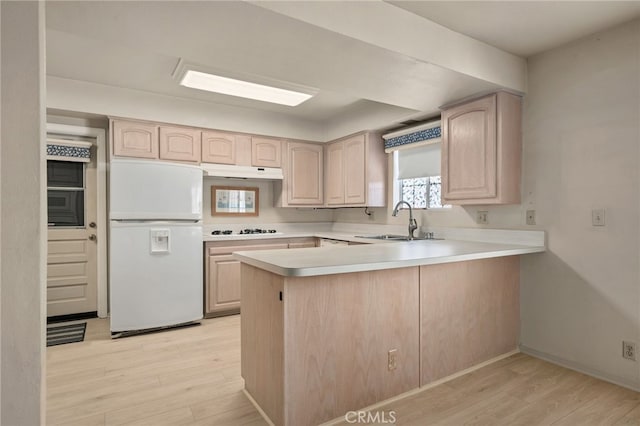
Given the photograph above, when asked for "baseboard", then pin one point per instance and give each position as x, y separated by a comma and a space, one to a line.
576, 366
260, 410
72, 317
380, 404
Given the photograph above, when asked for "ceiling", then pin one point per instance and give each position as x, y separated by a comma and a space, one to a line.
525, 28
355, 66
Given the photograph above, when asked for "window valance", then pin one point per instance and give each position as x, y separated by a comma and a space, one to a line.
425, 134
66, 150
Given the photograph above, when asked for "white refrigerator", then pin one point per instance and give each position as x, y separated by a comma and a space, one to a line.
155, 244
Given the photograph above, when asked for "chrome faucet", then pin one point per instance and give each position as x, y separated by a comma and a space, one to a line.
413, 225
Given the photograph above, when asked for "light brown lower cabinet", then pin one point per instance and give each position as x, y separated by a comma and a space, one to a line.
469, 313
334, 335
222, 271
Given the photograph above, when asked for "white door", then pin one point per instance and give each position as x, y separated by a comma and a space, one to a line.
72, 237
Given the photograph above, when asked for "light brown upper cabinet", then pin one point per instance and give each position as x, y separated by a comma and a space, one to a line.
356, 171
180, 144
334, 173
226, 148
303, 176
134, 139
481, 151
266, 152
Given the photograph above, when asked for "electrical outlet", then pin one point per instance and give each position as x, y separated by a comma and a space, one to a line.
629, 350
597, 217
392, 361
482, 217
531, 217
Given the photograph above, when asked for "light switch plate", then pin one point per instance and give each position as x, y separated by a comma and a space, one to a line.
597, 217
482, 217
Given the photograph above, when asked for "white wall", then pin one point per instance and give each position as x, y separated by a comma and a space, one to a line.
581, 149
267, 213
22, 214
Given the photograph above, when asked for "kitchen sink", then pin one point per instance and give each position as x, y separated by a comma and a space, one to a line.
395, 237
383, 237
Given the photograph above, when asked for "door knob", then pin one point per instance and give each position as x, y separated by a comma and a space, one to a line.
93, 237
92, 225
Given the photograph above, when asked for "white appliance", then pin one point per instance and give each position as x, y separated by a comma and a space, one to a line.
242, 172
155, 250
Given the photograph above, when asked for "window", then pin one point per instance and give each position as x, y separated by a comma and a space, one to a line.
416, 165
422, 193
65, 193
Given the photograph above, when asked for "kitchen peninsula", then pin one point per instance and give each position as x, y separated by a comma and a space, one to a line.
334, 329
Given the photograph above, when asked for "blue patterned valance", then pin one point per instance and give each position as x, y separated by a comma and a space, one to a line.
422, 135
68, 150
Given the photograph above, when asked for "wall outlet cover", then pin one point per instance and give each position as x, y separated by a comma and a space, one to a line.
392, 359
629, 350
531, 217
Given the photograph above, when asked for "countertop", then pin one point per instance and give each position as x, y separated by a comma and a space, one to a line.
306, 262
296, 234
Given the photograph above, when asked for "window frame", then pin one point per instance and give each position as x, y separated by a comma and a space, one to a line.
397, 189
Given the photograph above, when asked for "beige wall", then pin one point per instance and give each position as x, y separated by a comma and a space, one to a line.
268, 213
22, 214
581, 151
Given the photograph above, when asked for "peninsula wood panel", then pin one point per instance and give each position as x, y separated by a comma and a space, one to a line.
262, 340
470, 313
338, 331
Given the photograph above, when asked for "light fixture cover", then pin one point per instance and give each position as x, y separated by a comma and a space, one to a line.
244, 89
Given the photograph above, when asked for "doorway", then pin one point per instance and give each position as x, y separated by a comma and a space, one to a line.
76, 216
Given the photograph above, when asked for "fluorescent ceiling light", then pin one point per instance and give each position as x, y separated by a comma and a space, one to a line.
243, 89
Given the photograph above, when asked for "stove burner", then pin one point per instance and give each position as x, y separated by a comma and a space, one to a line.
244, 231
258, 231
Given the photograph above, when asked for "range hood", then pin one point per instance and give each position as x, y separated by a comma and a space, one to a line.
241, 172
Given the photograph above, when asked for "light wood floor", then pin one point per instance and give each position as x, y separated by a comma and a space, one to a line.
191, 376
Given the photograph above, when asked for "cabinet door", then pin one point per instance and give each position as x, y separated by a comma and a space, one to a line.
335, 174
355, 170
133, 139
469, 163
180, 144
305, 185
266, 152
218, 147
224, 283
